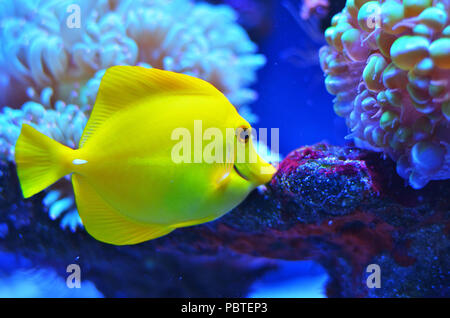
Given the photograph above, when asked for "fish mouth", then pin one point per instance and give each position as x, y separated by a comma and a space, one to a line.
239, 173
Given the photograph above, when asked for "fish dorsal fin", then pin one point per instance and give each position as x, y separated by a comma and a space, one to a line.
124, 86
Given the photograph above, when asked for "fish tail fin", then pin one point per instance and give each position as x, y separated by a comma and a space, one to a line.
40, 161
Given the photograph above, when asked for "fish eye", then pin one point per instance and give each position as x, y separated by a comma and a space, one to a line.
243, 134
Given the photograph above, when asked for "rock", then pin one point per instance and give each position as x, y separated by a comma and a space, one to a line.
342, 207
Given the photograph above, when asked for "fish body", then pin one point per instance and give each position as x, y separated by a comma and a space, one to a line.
139, 159
129, 186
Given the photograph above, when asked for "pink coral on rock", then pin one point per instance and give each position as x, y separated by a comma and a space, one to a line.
388, 63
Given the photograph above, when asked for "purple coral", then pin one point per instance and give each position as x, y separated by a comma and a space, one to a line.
388, 63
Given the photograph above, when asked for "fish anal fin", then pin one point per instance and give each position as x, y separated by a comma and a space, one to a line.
108, 225
125, 86
195, 222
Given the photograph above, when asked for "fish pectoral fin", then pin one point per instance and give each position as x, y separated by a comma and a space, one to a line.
224, 174
105, 223
222, 181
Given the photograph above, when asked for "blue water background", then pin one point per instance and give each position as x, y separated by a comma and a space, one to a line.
292, 96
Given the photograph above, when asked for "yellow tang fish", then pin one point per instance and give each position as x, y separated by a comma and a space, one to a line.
133, 181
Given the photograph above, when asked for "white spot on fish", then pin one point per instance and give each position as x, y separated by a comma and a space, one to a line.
79, 162
224, 176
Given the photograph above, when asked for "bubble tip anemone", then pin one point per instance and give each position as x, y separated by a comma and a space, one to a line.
388, 63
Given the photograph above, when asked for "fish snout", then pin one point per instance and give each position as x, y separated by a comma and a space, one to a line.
266, 172
257, 173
